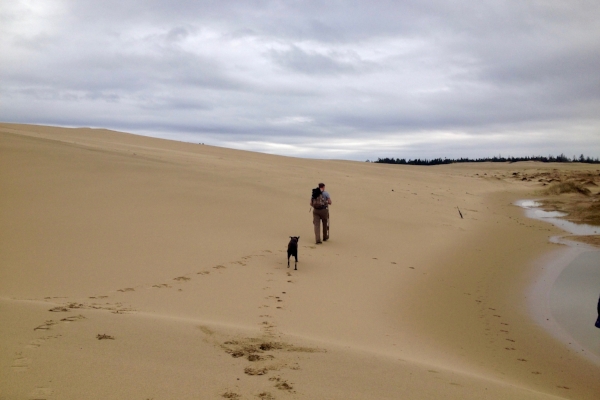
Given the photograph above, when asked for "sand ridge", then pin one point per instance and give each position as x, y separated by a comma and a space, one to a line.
176, 253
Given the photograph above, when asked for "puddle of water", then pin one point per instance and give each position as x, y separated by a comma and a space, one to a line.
574, 299
565, 294
553, 217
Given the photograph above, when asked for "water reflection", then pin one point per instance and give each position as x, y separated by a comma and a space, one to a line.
553, 217
566, 292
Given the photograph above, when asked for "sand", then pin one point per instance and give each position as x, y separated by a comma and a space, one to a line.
141, 268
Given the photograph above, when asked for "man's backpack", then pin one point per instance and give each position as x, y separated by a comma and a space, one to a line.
318, 201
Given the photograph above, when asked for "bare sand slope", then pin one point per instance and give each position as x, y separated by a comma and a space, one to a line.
176, 252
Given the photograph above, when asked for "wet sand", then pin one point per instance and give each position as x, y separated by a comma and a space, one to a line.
574, 299
567, 301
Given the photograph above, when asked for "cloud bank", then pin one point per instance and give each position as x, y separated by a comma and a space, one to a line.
324, 79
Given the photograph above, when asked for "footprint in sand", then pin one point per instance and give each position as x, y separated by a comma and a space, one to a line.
20, 363
182, 279
231, 395
162, 285
267, 324
203, 273
34, 344
41, 393
282, 384
257, 357
129, 289
219, 267
255, 371
104, 337
206, 330
67, 307
59, 309
46, 325
73, 318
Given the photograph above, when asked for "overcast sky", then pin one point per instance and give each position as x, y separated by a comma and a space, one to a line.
324, 79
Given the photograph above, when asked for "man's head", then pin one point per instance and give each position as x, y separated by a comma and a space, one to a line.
322, 186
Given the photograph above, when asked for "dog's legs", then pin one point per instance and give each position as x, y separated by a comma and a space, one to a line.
296, 264
288, 261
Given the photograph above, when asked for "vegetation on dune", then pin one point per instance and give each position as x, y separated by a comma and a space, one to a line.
567, 187
574, 193
437, 161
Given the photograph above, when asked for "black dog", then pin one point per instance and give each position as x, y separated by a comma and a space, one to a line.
293, 250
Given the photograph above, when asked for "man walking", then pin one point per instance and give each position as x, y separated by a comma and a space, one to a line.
598, 320
320, 202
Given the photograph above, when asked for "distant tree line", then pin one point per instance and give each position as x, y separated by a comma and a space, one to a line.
438, 161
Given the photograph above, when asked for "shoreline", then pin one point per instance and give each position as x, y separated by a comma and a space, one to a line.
564, 275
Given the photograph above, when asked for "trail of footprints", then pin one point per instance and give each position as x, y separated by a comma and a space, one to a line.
22, 360
510, 347
265, 355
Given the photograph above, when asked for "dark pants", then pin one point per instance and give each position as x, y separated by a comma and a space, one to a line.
318, 216
598, 320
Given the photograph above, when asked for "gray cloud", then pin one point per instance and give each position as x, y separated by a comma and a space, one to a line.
362, 79
314, 63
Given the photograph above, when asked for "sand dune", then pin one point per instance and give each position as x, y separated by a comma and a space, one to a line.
176, 253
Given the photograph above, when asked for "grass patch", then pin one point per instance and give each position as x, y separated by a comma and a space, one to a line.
568, 187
